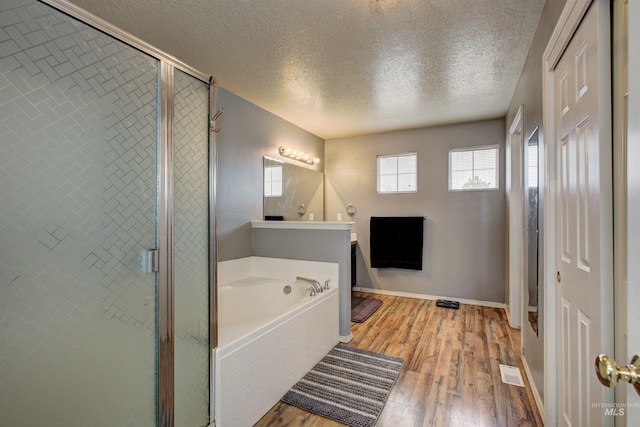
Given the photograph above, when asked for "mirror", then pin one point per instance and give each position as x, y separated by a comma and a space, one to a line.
533, 229
292, 192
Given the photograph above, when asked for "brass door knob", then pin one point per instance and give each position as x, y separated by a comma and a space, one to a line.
558, 276
610, 373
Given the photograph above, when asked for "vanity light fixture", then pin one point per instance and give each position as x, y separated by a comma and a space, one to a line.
298, 155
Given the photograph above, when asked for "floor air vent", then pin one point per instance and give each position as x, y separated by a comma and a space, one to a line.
447, 304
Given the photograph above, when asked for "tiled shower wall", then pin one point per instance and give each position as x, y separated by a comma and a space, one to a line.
78, 205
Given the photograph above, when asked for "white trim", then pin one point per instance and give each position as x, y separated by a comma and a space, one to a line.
491, 304
303, 225
532, 384
346, 338
633, 202
465, 190
516, 219
516, 123
548, 244
475, 148
212, 389
506, 310
619, 56
572, 14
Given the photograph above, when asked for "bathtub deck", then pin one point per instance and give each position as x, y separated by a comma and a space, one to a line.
451, 374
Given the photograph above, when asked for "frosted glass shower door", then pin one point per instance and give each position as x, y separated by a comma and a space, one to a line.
191, 250
78, 207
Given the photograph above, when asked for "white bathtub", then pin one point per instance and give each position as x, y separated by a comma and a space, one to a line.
267, 340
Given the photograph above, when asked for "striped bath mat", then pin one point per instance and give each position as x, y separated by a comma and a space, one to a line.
348, 385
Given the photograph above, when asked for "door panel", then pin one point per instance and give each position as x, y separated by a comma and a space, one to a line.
191, 192
78, 210
565, 349
582, 132
565, 206
584, 255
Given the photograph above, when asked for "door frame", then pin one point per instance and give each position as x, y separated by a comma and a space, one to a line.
516, 215
619, 93
563, 32
633, 199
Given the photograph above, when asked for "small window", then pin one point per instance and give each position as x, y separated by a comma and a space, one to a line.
397, 173
473, 169
273, 181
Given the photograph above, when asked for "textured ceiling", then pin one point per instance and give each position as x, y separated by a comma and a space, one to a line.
346, 67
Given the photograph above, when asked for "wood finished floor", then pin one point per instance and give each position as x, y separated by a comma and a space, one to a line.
451, 375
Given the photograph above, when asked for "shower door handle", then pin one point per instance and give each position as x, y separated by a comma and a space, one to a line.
149, 261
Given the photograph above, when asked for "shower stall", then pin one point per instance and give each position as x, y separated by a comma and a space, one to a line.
107, 239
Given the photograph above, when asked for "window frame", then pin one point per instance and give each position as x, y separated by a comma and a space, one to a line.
475, 148
396, 156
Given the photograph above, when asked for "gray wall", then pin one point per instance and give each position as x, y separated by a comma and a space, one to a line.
464, 232
247, 133
529, 94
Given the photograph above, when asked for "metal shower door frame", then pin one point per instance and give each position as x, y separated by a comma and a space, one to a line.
165, 278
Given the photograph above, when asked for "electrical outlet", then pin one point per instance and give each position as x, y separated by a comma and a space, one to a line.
311, 216
339, 217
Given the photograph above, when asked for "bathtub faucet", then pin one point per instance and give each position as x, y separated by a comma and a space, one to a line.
315, 283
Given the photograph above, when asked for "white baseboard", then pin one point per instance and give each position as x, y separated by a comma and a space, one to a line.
430, 297
346, 338
534, 389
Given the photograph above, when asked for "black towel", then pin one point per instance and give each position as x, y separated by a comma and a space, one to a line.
396, 242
